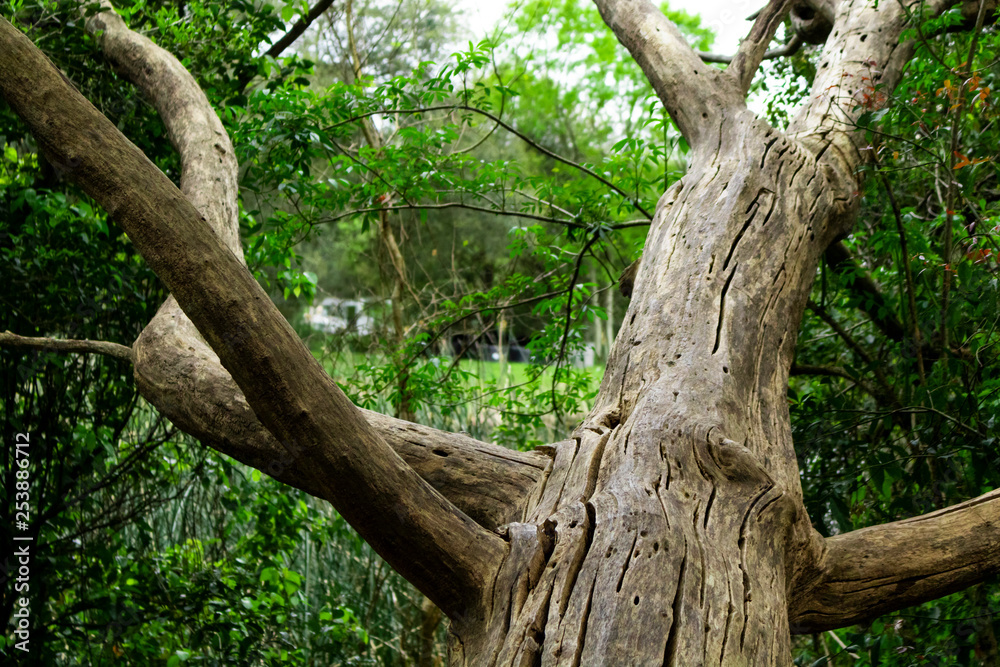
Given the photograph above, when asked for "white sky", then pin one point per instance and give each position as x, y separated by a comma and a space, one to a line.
726, 17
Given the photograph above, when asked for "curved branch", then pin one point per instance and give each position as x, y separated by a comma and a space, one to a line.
752, 49
116, 350
873, 571
300, 27
855, 75
422, 535
208, 161
179, 374
510, 128
694, 94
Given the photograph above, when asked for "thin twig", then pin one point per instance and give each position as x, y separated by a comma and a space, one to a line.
952, 181
888, 395
790, 49
569, 320
523, 137
908, 274
116, 350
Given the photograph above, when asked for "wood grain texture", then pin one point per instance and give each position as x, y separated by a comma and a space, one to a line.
869, 572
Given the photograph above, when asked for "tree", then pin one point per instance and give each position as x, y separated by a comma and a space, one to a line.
670, 527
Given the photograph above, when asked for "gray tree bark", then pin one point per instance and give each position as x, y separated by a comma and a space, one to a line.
669, 528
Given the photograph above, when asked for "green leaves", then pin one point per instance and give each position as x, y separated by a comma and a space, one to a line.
905, 431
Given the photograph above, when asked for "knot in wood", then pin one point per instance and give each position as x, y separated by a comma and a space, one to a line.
737, 463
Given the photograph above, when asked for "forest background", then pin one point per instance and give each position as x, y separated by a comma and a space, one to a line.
471, 208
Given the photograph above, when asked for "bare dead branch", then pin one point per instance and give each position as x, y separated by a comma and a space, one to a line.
790, 49
116, 350
825, 8
692, 92
208, 161
853, 74
873, 571
752, 49
300, 27
487, 482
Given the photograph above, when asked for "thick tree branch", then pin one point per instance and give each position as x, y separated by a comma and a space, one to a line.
8, 339
429, 541
694, 94
855, 75
208, 162
827, 9
873, 571
178, 373
752, 49
812, 21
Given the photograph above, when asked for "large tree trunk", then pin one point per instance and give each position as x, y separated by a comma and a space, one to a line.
674, 515
670, 528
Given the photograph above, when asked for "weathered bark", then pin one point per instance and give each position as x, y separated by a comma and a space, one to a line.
872, 571
677, 509
188, 384
670, 528
425, 537
179, 373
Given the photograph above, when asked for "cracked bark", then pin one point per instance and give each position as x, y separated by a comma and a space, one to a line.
669, 529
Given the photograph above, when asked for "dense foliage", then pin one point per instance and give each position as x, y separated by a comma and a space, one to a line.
474, 205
